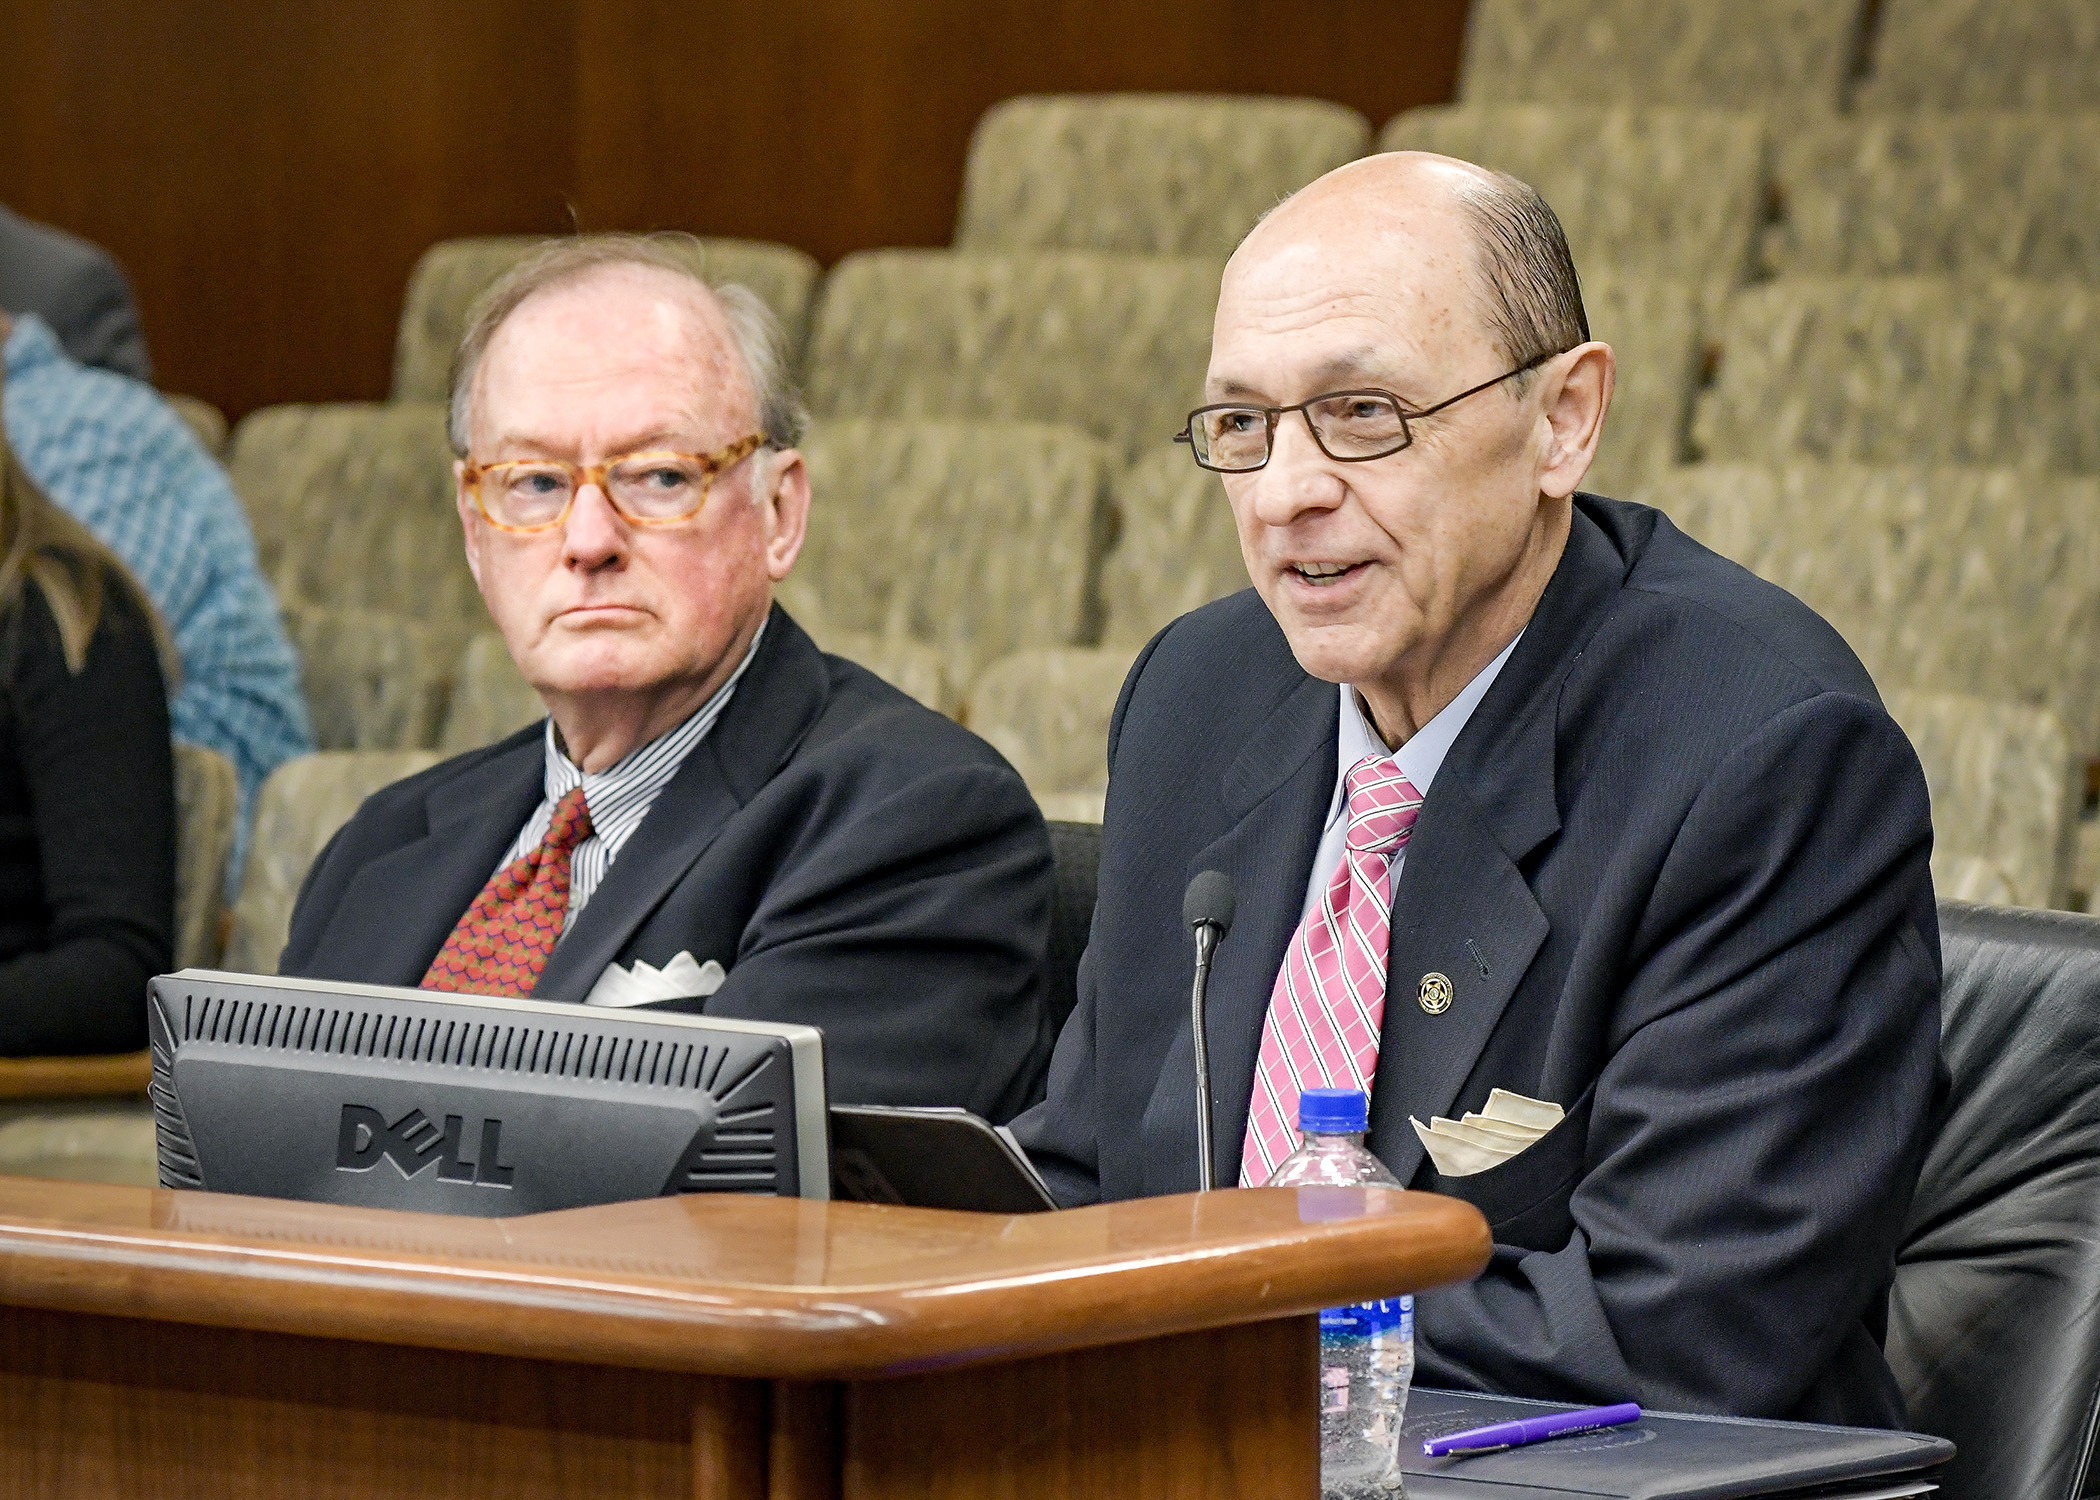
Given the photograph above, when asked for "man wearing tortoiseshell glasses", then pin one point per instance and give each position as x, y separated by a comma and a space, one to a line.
715, 816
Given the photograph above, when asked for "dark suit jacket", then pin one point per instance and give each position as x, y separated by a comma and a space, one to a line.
77, 289
1675, 870
855, 861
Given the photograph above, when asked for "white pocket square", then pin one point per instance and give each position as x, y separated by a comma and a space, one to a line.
1510, 1123
680, 979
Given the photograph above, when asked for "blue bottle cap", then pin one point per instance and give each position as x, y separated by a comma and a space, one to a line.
1333, 1111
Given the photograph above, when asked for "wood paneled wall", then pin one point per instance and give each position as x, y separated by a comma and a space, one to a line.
268, 170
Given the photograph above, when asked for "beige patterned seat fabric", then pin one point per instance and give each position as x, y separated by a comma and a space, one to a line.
918, 671
298, 810
1967, 580
1156, 174
1116, 344
489, 699
2005, 786
1739, 54
973, 538
86, 1140
1964, 877
207, 811
1653, 326
1940, 195
1907, 370
353, 508
374, 681
1178, 550
1679, 192
1047, 712
452, 273
204, 419
1984, 54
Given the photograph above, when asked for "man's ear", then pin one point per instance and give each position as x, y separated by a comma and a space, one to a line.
1575, 403
469, 515
786, 511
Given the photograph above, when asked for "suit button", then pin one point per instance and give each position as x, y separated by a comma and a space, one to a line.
1435, 994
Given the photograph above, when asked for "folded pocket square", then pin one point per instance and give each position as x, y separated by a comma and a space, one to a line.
680, 979
1510, 1123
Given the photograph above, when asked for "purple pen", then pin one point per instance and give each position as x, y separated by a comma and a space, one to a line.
1532, 1430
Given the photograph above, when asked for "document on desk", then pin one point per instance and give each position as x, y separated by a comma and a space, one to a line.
1664, 1456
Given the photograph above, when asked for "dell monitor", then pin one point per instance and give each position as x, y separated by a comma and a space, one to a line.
467, 1104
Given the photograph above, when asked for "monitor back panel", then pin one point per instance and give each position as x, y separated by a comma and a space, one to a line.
392, 1098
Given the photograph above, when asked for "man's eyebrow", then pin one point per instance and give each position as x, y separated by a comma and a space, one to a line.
1355, 369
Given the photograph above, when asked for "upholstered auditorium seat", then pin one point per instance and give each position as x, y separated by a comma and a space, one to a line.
204, 419
1984, 54
298, 810
1975, 193
489, 699
1676, 192
1047, 711
1116, 344
452, 273
1157, 174
1976, 581
374, 681
352, 507
1725, 54
976, 538
1907, 370
207, 811
1991, 1329
1654, 327
1177, 547
2006, 785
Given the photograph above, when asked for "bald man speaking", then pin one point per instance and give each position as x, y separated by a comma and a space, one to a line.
1523, 791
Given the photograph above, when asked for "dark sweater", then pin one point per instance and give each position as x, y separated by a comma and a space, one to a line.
87, 833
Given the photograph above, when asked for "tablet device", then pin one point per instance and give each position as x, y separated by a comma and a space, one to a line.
931, 1158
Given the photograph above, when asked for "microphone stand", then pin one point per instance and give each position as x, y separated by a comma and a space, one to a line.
1207, 934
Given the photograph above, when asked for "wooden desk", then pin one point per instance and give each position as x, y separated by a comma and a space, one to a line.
181, 1345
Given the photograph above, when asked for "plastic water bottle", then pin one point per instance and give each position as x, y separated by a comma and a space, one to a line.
1367, 1351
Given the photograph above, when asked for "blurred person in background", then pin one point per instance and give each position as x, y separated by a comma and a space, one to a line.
117, 458
87, 796
77, 289
715, 815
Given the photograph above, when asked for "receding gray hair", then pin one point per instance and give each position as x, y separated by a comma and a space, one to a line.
753, 330
1532, 298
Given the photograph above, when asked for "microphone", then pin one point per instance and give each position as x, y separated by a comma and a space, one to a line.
1206, 909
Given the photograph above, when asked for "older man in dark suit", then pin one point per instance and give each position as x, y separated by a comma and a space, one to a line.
77, 289
1522, 791
715, 815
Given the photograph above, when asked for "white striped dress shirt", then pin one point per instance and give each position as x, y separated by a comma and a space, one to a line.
619, 796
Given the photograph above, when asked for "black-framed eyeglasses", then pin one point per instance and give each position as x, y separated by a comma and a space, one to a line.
1351, 427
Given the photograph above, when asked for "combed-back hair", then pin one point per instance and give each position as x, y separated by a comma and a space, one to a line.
753, 330
1532, 298
41, 544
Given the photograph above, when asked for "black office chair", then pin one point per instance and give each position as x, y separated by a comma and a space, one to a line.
1994, 1323
1076, 849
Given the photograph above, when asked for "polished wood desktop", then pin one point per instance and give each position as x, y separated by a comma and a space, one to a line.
190, 1344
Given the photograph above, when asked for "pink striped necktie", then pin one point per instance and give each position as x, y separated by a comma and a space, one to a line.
1329, 1000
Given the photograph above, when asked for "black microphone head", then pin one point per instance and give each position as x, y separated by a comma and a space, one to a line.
1209, 902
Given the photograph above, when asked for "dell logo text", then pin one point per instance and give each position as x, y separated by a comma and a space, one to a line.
415, 1141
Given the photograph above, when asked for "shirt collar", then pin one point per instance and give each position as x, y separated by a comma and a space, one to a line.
1421, 757
29, 344
646, 768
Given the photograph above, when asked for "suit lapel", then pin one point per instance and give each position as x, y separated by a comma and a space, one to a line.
472, 819
760, 728
1463, 904
1279, 788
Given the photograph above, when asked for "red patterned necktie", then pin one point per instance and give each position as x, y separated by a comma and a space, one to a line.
1329, 1000
501, 944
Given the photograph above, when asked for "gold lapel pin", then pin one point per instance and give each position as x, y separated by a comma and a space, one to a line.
1435, 994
